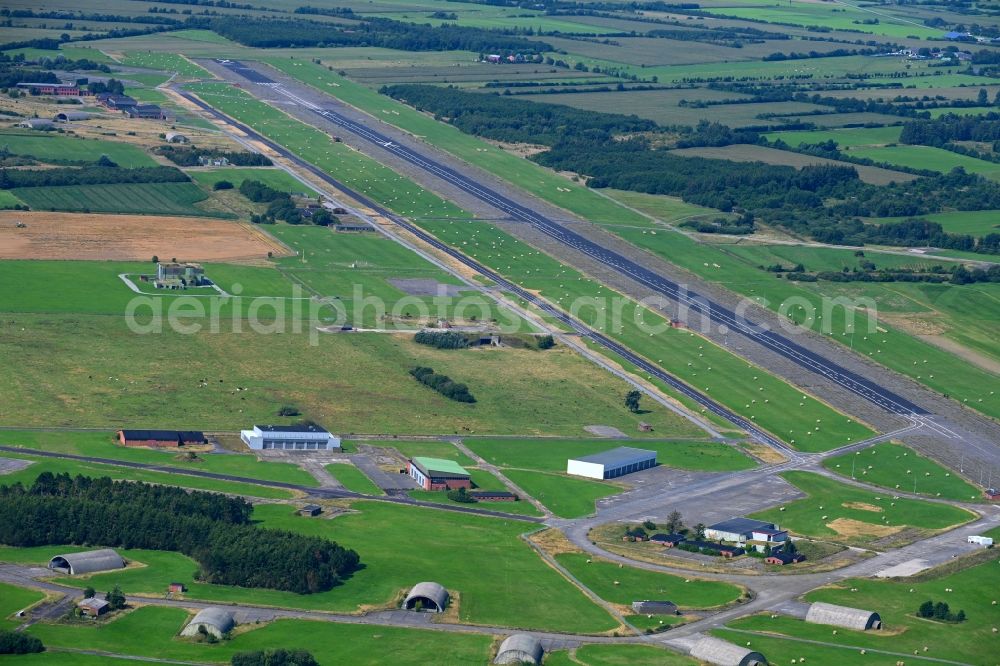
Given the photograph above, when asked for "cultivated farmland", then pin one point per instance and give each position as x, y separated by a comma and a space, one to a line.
143, 199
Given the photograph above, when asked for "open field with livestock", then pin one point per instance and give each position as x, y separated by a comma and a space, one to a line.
59, 148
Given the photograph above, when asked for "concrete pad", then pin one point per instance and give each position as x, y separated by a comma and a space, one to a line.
11, 465
904, 569
605, 431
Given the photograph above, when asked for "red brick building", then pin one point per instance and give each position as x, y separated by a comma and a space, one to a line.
438, 474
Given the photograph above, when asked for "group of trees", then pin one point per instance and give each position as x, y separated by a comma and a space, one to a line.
214, 530
187, 156
939, 611
514, 120
461, 495
279, 657
280, 206
368, 31
442, 384
102, 173
15, 642
442, 339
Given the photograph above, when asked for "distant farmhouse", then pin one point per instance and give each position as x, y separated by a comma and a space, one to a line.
290, 438
438, 474
161, 438
612, 464
172, 275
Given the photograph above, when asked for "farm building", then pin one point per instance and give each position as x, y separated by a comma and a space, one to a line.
655, 607
438, 474
742, 530
843, 616
160, 438
310, 510
112, 101
668, 540
216, 621
71, 116
612, 464
428, 596
981, 540
147, 111
36, 124
176, 588
493, 496
175, 137
290, 438
61, 89
723, 653
781, 558
87, 562
172, 274
93, 607
720, 548
519, 649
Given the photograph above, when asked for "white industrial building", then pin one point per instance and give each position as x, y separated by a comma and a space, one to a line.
743, 530
290, 438
612, 464
981, 540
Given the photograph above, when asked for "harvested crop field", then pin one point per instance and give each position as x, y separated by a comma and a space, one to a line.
750, 153
129, 237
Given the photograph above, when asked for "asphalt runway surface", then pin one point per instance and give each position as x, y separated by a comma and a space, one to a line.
860, 386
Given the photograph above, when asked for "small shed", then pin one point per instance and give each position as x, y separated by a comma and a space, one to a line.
310, 510
667, 540
216, 621
175, 137
781, 558
519, 649
645, 427
176, 588
431, 597
93, 607
654, 607
493, 495
87, 562
716, 651
843, 616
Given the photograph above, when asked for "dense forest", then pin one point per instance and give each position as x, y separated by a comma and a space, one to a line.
951, 127
187, 156
382, 32
211, 528
515, 120
89, 175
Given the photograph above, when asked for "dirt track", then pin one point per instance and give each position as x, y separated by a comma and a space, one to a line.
129, 237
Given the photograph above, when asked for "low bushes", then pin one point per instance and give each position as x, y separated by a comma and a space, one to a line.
442, 384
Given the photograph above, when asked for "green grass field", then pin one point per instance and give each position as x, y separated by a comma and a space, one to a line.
165, 62
550, 455
14, 599
971, 589
926, 157
838, 17
72, 467
279, 179
61, 147
8, 200
373, 529
565, 496
141, 199
975, 222
878, 337
836, 511
625, 585
353, 478
898, 467
845, 138
617, 655
151, 632
104, 445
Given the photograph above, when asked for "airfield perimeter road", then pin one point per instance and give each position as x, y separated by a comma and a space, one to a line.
854, 384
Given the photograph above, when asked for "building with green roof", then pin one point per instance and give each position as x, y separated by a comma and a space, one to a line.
438, 474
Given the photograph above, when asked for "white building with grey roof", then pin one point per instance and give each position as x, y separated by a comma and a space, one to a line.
611, 464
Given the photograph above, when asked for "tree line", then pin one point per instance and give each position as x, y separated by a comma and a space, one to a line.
381, 32
442, 339
214, 530
442, 384
514, 120
187, 156
89, 175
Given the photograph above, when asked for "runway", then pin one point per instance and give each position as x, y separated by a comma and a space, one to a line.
723, 317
